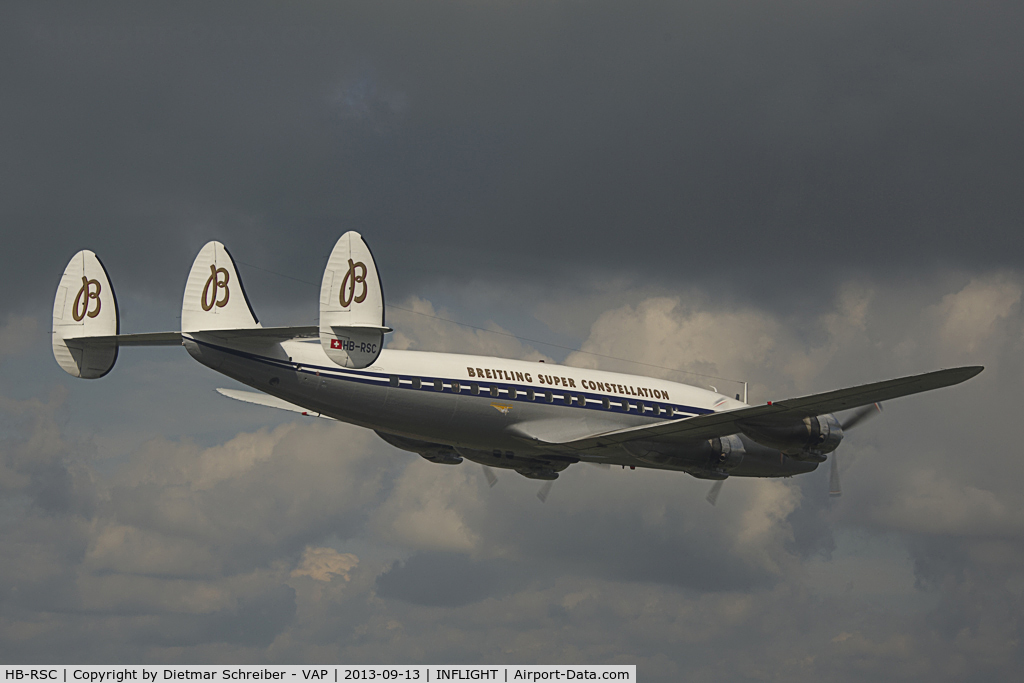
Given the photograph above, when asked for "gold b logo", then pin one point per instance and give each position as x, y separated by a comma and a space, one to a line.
85, 295
213, 284
348, 286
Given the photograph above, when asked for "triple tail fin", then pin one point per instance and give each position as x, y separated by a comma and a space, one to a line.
214, 297
352, 305
85, 307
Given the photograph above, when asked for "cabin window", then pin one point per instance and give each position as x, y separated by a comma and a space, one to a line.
438, 385
606, 403
548, 396
456, 387
567, 399
641, 407
416, 384
474, 388
393, 380
494, 392
531, 395
582, 400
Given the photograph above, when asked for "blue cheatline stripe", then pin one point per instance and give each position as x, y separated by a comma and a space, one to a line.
627, 405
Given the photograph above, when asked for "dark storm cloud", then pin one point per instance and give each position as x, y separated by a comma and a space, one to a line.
450, 579
678, 141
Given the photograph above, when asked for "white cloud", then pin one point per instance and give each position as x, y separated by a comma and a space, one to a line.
418, 326
429, 508
969, 321
323, 564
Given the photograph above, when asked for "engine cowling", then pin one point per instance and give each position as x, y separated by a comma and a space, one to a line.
442, 454
808, 439
726, 452
714, 456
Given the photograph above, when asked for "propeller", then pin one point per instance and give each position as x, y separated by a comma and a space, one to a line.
716, 488
861, 415
834, 489
545, 489
491, 477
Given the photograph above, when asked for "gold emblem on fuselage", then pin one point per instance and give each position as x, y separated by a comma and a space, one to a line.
209, 298
503, 409
85, 295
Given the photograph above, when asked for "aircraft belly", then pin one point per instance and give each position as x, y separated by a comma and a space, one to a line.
484, 423
418, 414
352, 401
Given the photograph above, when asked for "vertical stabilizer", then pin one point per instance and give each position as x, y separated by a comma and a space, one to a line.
352, 305
85, 306
214, 297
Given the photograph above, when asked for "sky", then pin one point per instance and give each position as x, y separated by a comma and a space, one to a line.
800, 195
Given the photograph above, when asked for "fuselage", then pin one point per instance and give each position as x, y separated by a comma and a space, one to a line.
500, 412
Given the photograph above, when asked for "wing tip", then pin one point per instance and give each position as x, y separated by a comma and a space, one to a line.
962, 374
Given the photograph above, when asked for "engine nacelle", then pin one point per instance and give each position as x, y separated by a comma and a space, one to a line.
809, 439
726, 452
442, 454
538, 473
441, 457
714, 456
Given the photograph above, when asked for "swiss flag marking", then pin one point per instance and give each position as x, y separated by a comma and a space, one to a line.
335, 343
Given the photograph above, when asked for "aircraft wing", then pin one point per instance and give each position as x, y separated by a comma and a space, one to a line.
267, 400
728, 422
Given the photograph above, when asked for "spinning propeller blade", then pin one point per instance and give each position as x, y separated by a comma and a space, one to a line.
861, 415
716, 488
544, 491
491, 477
834, 489
833, 479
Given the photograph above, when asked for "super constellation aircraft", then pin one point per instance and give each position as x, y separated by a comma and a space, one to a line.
536, 419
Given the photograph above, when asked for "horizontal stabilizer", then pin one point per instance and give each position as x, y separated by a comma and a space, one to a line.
267, 400
728, 422
140, 339
351, 305
264, 333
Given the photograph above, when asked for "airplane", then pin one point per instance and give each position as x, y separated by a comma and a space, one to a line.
534, 418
